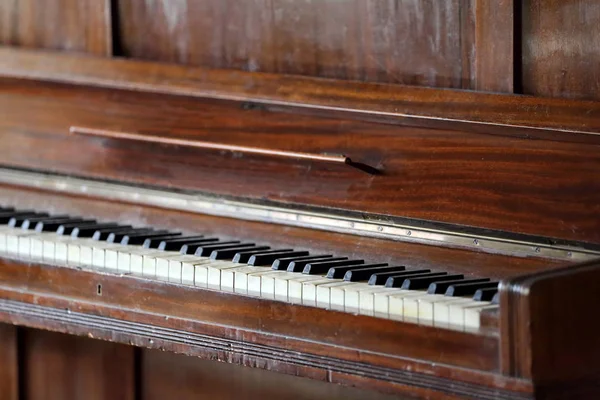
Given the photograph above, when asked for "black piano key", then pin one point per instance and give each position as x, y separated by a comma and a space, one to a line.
52, 226
298, 265
7, 209
381, 277
422, 283
322, 267
269, 257
468, 289
340, 272
7, 215
185, 247
496, 298
398, 280
17, 218
89, 231
207, 249
118, 235
153, 243
30, 223
140, 238
363, 274
282, 264
440, 287
102, 234
230, 254
485, 294
245, 256
66, 229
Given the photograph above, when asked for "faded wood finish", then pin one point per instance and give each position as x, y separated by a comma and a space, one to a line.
296, 340
65, 25
502, 115
441, 175
561, 48
63, 367
392, 252
413, 42
165, 375
549, 333
9, 370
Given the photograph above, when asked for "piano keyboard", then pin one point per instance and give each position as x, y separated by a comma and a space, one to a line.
394, 292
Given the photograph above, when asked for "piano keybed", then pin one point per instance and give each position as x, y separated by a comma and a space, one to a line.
394, 292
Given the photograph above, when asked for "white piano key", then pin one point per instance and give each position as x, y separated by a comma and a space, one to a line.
441, 310
473, 314
281, 284
235, 279
181, 267
136, 261
267, 283
37, 245
309, 290
396, 305
427, 307
61, 248
457, 312
4, 232
295, 287
214, 272
255, 283
324, 295
349, 294
366, 298
25, 244
149, 265
99, 259
13, 239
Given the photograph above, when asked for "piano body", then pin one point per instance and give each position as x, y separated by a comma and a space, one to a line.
299, 199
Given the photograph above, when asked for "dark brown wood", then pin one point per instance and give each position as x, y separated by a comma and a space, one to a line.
561, 50
488, 36
9, 369
409, 42
65, 25
413, 255
64, 367
441, 175
295, 340
549, 332
167, 375
502, 115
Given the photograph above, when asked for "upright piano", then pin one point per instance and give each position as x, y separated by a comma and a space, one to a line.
299, 199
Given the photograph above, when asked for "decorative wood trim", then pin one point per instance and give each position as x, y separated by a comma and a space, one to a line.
395, 104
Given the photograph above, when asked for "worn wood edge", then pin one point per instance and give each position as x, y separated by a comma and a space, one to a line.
87, 319
518, 329
388, 103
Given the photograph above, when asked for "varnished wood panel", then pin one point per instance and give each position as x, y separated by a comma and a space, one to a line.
418, 42
520, 185
561, 48
66, 25
165, 375
9, 375
62, 367
500, 114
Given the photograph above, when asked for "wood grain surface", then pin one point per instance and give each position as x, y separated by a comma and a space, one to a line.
402, 41
518, 185
561, 48
65, 25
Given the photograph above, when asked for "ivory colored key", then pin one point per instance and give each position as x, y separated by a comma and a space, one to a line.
236, 279
99, 259
309, 290
12, 241
324, 298
136, 260
149, 265
457, 312
74, 250
209, 274
267, 284
366, 298
473, 315
165, 269
426, 310
295, 287
37, 245
396, 304
281, 284
441, 310
59, 246
351, 295
25, 244
181, 268
255, 283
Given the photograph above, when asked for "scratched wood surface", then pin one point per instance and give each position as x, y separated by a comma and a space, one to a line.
561, 48
417, 42
66, 25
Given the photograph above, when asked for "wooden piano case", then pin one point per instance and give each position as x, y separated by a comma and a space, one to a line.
223, 117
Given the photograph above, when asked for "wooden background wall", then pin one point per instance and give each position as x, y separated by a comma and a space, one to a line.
537, 47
